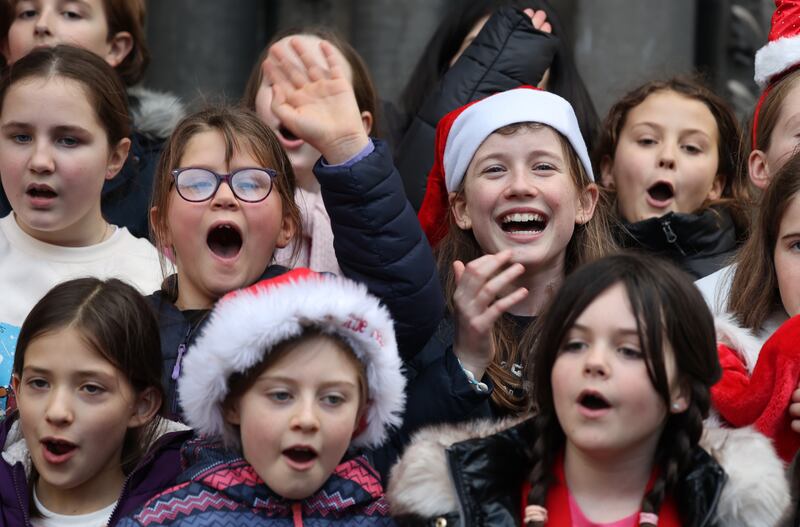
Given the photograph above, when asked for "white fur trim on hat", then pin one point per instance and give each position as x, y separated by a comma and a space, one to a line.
247, 324
520, 105
775, 58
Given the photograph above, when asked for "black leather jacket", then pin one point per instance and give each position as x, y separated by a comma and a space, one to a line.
487, 475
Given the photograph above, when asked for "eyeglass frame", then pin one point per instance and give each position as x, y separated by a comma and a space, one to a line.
227, 178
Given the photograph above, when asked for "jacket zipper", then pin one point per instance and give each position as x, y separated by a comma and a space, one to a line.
672, 238
121, 497
176, 371
19, 497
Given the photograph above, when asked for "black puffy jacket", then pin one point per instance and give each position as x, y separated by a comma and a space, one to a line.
507, 53
700, 244
478, 481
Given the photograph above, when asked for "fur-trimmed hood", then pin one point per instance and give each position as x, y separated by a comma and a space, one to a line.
155, 114
755, 494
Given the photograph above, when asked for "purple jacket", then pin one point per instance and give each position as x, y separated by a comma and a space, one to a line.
156, 471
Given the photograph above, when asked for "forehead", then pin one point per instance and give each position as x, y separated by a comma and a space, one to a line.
319, 354
529, 137
64, 350
311, 43
53, 100
790, 222
209, 147
671, 109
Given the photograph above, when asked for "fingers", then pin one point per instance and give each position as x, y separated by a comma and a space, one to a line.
334, 60
458, 270
478, 296
539, 20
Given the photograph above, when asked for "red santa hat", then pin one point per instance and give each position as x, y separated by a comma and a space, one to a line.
781, 54
246, 325
461, 132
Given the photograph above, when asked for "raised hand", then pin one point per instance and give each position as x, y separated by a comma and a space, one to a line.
316, 101
478, 305
794, 410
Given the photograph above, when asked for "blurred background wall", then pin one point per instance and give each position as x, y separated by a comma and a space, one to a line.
205, 49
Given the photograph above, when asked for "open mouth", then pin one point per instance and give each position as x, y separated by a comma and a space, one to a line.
41, 191
593, 401
661, 191
289, 136
300, 455
58, 447
225, 240
523, 222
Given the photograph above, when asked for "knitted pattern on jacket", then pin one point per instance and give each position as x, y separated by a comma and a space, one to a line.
222, 489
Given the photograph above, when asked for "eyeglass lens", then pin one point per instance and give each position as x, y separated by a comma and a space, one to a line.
199, 184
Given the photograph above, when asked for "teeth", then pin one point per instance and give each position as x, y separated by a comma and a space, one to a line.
523, 216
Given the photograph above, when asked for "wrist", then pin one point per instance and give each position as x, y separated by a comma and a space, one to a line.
345, 148
474, 378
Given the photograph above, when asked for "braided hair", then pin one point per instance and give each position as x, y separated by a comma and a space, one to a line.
668, 310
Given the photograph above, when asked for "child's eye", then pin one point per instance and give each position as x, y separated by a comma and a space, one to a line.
543, 167
280, 396
646, 141
22, 138
574, 345
494, 169
693, 149
630, 353
333, 399
795, 246
37, 384
69, 142
71, 15
93, 389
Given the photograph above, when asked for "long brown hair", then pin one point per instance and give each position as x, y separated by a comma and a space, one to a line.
736, 191
668, 310
589, 241
754, 294
363, 85
241, 130
118, 323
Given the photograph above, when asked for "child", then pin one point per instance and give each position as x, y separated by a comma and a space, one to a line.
668, 149
287, 374
480, 48
621, 376
114, 30
758, 336
513, 174
224, 238
774, 132
84, 446
315, 247
65, 129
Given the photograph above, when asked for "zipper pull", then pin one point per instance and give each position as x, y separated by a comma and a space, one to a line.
176, 370
668, 232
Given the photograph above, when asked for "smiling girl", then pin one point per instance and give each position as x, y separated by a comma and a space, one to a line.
63, 132
86, 446
669, 151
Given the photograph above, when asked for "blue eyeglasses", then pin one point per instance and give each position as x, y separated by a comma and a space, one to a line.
247, 184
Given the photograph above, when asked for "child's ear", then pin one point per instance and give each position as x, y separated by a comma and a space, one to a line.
757, 169
367, 120
361, 421
680, 399
458, 204
145, 408
15, 380
117, 158
587, 202
716, 187
232, 414
119, 46
606, 173
288, 228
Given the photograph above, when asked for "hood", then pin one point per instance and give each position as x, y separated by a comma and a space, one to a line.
756, 492
155, 114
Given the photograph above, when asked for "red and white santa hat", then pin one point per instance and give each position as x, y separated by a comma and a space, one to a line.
246, 325
461, 132
782, 52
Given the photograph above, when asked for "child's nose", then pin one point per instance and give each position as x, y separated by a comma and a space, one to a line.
521, 184
59, 408
224, 197
666, 158
305, 417
41, 161
43, 22
595, 363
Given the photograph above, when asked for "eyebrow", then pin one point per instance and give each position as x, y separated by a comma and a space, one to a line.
501, 154
34, 370
294, 381
790, 235
59, 129
682, 131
